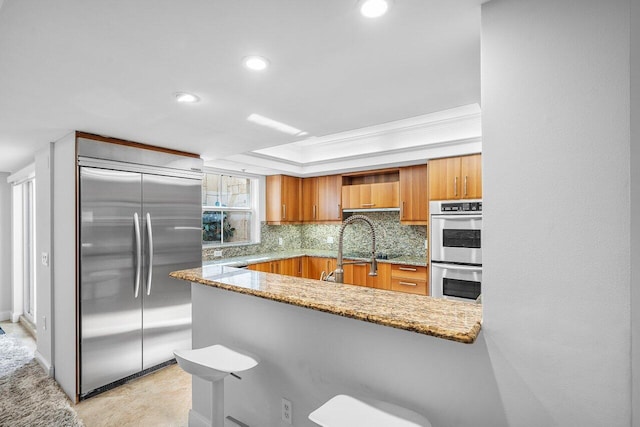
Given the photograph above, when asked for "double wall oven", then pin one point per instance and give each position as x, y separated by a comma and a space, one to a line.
456, 249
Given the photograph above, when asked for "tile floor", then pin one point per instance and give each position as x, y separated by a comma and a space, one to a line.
162, 398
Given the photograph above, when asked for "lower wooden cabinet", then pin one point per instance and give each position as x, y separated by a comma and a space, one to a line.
410, 278
288, 267
395, 277
314, 266
358, 274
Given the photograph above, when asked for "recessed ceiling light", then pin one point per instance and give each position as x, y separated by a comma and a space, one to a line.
374, 8
256, 63
186, 98
273, 124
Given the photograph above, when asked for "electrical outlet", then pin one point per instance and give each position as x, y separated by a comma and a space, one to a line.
329, 239
280, 241
44, 323
287, 411
44, 258
217, 253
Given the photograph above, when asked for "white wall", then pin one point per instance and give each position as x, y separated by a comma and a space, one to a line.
556, 120
5, 247
63, 261
635, 207
44, 223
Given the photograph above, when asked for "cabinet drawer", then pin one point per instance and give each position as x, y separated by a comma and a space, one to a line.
411, 286
409, 271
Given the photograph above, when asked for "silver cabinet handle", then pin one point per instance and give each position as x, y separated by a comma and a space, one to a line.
136, 227
284, 211
455, 186
339, 216
408, 284
465, 185
368, 204
407, 269
456, 217
314, 211
402, 211
150, 273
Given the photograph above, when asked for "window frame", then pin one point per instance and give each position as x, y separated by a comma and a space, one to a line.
253, 208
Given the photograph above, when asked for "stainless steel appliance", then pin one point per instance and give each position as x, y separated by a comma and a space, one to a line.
140, 218
456, 249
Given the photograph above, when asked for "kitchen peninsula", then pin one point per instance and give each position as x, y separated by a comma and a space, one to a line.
312, 348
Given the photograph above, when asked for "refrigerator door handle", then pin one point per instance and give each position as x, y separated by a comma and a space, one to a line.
136, 226
150, 273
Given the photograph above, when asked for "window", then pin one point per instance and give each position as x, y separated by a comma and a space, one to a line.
229, 210
24, 244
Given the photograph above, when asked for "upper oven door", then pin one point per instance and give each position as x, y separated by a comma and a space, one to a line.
456, 238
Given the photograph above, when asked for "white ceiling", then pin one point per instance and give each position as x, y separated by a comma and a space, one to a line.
112, 67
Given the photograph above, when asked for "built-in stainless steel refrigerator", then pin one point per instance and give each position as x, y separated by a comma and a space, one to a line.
139, 220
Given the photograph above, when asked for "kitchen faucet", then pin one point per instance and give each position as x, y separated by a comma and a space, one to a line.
339, 272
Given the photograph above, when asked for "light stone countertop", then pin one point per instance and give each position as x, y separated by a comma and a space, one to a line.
451, 320
276, 256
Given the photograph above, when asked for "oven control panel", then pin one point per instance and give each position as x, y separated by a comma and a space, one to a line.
461, 207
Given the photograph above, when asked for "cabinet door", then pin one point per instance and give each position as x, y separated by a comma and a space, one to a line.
414, 206
360, 274
385, 195
264, 267
383, 279
291, 267
310, 199
274, 198
291, 198
471, 176
356, 196
444, 179
329, 198
316, 265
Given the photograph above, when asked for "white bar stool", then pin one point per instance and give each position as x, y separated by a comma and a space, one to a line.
347, 411
212, 364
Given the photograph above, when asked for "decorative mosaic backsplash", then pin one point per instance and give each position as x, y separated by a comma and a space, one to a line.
392, 238
269, 242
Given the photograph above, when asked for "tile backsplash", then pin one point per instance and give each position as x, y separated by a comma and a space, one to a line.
392, 238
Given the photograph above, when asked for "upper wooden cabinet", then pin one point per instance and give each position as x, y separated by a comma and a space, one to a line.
370, 196
414, 205
283, 196
371, 189
455, 178
310, 199
321, 198
329, 198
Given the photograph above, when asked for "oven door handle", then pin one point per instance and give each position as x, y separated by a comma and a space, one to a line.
456, 266
461, 217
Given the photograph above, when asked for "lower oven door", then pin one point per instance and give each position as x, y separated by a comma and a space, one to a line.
456, 282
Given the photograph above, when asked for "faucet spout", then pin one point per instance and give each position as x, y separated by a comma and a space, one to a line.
373, 271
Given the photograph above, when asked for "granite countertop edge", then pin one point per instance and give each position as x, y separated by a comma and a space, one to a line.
291, 290
242, 261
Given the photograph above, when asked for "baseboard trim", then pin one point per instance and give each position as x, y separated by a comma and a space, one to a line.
15, 317
46, 365
197, 420
5, 315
